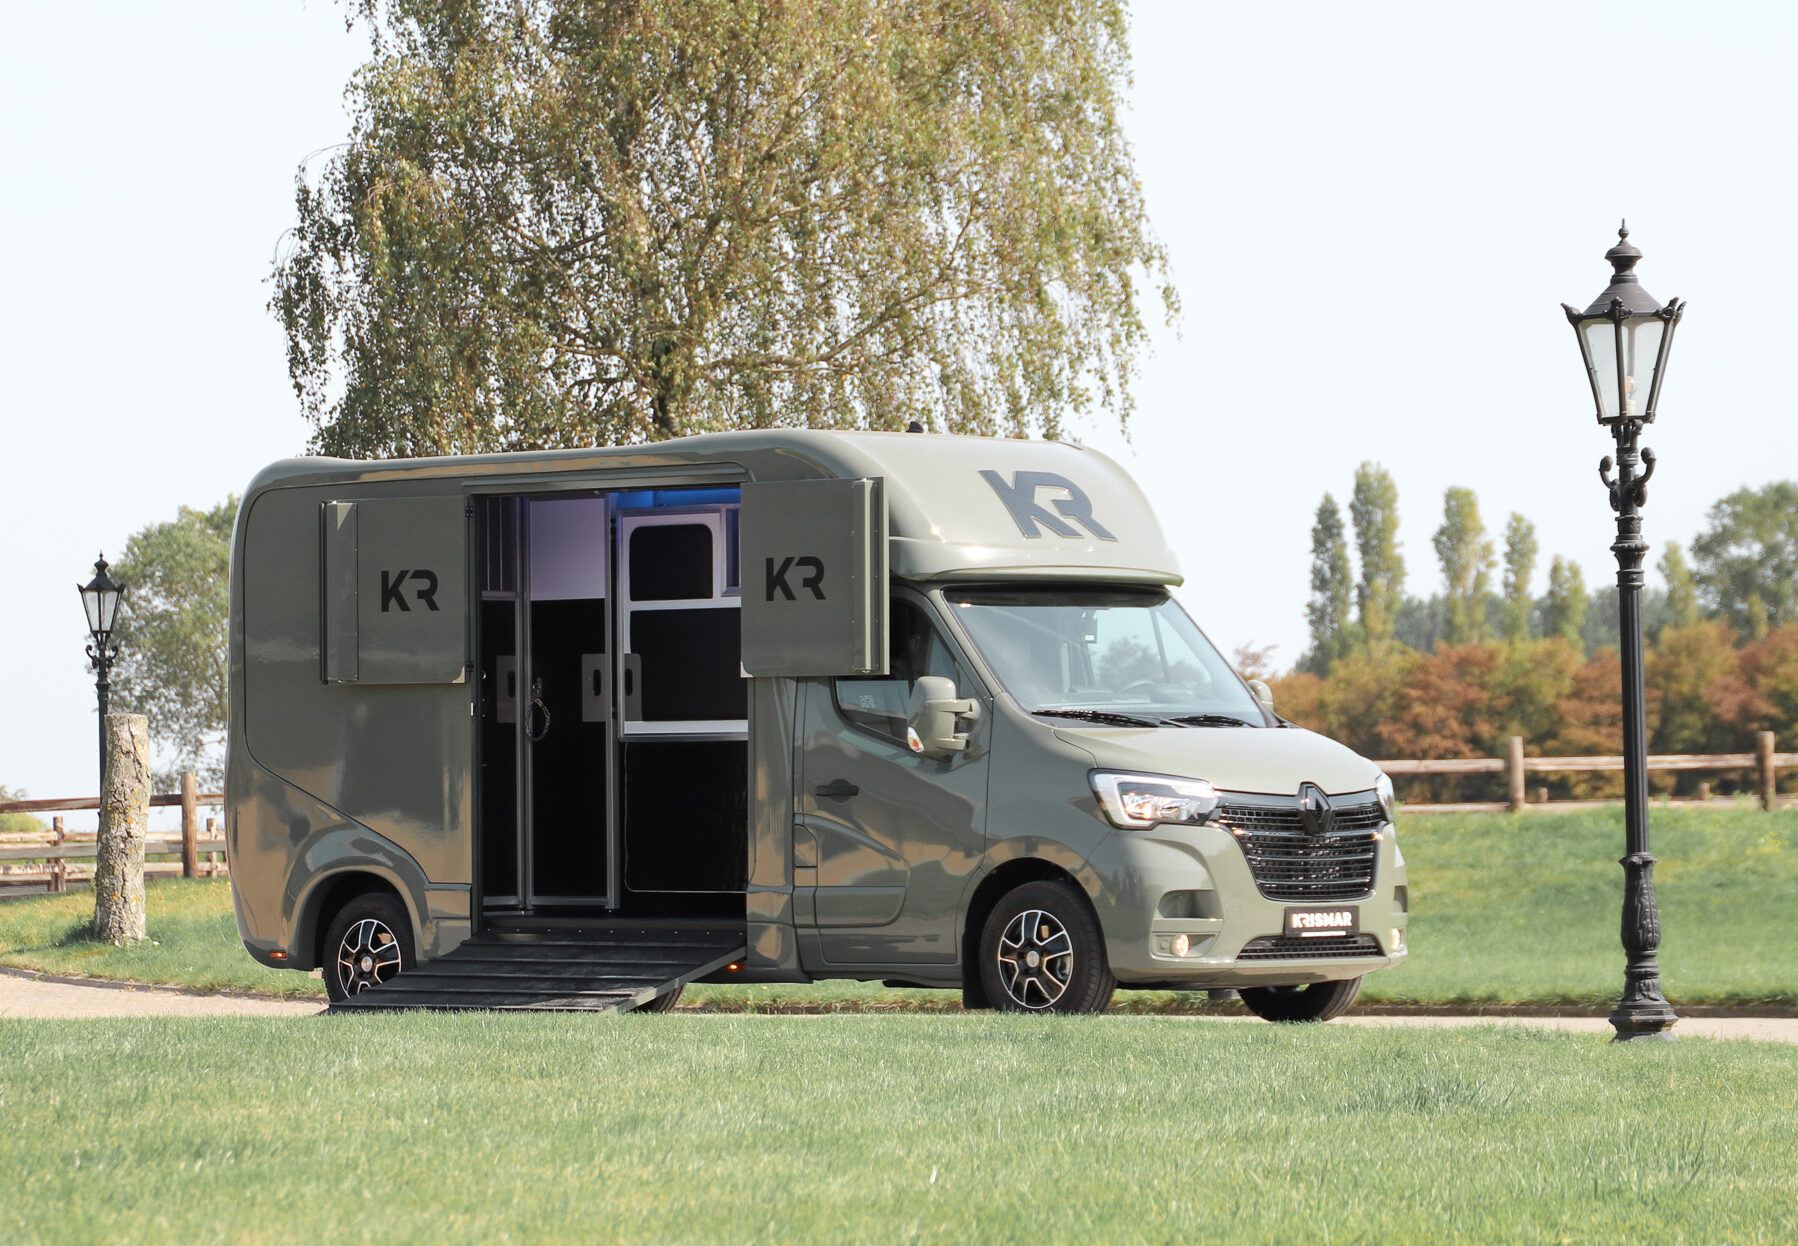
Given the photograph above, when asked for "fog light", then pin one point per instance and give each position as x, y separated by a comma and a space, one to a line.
1398, 939
1181, 945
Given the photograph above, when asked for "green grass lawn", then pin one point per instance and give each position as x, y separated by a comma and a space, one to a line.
1506, 909
484, 1127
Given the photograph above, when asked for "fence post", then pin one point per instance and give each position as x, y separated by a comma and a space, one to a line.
1514, 773
1763, 747
190, 824
59, 868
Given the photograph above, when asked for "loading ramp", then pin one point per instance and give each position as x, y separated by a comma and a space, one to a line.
563, 965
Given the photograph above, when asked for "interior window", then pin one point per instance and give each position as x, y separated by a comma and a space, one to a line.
880, 702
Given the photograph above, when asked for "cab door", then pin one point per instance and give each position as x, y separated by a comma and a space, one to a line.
889, 837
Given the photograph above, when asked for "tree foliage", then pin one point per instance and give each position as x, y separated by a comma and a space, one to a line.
1374, 509
1332, 589
603, 221
172, 638
1466, 557
1746, 560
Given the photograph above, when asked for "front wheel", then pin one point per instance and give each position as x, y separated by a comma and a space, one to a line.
1041, 951
368, 943
1316, 1001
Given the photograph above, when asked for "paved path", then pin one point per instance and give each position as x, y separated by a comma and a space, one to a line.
22, 995
25, 996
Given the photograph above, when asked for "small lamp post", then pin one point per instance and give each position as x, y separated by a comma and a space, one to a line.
1624, 337
100, 599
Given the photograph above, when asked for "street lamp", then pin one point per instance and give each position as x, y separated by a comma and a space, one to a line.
1625, 337
100, 598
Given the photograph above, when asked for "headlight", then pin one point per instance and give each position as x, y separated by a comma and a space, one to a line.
1139, 801
1383, 790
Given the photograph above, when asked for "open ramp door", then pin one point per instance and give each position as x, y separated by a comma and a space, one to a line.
567, 965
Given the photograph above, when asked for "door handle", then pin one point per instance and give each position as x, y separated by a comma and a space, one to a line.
533, 732
839, 790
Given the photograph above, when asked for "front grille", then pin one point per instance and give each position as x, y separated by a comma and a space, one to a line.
1277, 947
1289, 864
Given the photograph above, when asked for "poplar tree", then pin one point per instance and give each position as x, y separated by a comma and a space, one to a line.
1682, 588
1466, 557
1564, 609
1332, 590
573, 222
1373, 508
1520, 568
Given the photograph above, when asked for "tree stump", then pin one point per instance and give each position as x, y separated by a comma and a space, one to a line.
124, 818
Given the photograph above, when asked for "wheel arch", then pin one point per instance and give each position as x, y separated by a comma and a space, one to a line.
328, 896
1004, 878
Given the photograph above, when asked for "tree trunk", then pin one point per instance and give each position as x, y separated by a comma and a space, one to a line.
124, 817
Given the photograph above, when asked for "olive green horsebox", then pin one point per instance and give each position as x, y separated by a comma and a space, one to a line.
572, 729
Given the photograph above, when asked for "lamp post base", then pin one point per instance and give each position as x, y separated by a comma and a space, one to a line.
1642, 1029
1642, 1011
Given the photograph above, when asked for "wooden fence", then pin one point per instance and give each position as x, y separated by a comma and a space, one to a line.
39, 861
32, 862
1764, 762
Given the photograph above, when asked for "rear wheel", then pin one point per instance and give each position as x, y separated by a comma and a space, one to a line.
1316, 1001
1041, 950
367, 943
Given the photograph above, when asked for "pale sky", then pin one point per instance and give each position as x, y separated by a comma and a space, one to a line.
1374, 211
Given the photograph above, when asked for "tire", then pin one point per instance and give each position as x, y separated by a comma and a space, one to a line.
1317, 1001
662, 1003
367, 943
1041, 950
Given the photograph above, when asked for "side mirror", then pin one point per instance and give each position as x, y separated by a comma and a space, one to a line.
1263, 694
932, 729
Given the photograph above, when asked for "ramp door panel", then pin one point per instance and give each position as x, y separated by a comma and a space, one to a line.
601, 966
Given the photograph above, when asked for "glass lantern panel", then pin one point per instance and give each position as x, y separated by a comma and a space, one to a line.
1600, 340
90, 601
1641, 349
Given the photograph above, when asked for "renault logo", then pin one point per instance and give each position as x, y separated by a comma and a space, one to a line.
1315, 814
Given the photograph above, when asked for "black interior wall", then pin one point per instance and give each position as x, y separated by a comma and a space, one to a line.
691, 664
686, 825
568, 773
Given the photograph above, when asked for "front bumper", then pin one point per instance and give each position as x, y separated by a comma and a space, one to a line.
1151, 887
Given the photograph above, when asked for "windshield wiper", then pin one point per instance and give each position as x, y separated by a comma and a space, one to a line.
1209, 720
1098, 716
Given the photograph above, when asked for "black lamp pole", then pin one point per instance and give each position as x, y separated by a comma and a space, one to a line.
100, 599
1624, 338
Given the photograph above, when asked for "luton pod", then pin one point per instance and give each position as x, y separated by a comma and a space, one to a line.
572, 729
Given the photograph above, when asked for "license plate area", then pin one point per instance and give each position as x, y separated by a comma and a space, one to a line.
1321, 923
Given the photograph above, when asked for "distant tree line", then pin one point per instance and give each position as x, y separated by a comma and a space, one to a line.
1454, 673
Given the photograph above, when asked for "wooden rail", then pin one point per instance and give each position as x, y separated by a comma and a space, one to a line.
52, 850
1515, 766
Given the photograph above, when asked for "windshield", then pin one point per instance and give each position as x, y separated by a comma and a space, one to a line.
1107, 655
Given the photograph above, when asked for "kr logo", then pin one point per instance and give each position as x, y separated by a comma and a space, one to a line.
777, 577
1031, 516
393, 584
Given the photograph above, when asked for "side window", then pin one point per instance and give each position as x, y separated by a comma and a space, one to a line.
879, 703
